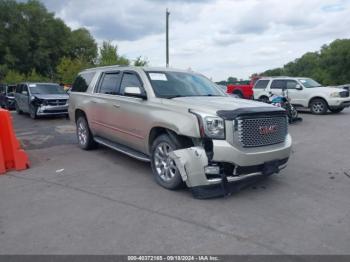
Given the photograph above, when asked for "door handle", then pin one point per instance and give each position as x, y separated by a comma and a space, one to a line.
116, 106
94, 102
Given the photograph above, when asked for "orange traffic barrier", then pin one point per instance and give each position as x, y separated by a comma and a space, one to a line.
12, 157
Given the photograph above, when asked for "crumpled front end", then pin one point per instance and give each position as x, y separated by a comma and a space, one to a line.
254, 147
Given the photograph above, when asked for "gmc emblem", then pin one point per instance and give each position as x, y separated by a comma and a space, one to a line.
266, 130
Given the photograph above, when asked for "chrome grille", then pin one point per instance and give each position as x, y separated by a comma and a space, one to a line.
57, 102
262, 131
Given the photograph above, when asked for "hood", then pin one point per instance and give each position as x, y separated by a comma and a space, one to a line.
213, 104
51, 96
326, 89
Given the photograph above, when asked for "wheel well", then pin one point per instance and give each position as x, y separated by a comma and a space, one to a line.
317, 97
79, 113
157, 131
237, 92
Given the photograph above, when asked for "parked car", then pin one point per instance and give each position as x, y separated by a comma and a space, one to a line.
242, 90
303, 93
183, 124
40, 99
7, 99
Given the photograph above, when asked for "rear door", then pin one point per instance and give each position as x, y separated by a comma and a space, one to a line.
277, 86
24, 98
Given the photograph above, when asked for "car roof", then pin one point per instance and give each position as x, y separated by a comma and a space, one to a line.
281, 77
38, 83
144, 68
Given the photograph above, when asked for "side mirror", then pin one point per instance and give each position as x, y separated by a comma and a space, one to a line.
134, 91
25, 93
298, 87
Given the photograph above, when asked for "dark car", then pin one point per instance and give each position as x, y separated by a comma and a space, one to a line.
40, 99
7, 96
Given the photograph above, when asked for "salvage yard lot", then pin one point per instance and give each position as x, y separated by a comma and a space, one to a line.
102, 202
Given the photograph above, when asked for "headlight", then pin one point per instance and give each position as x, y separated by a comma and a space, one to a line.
210, 126
335, 94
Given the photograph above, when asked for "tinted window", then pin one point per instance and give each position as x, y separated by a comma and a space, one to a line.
129, 80
278, 84
110, 83
261, 84
82, 82
291, 84
19, 89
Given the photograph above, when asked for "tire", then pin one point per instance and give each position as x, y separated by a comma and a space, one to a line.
264, 99
84, 135
164, 169
19, 111
318, 106
336, 110
33, 111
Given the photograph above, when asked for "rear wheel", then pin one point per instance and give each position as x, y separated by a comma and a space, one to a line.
336, 110
84, 135
164, 168
19, 111
264, 99
318, 106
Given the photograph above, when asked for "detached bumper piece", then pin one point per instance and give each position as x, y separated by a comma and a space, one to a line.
230, 184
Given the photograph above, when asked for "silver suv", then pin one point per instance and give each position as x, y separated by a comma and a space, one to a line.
181, 122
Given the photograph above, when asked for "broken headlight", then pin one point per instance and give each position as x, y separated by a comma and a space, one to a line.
210, 126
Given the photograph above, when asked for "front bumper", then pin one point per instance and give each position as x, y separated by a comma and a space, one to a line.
52, 110
339, 102
237, 167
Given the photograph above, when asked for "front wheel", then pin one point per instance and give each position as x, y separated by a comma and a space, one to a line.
318, 106
164, 168
336, 110
33, 111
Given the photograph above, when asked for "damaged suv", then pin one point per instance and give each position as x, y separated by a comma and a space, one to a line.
183, 124
41, 99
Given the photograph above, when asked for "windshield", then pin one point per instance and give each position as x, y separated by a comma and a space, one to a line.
309, 83
46, 89
180, 84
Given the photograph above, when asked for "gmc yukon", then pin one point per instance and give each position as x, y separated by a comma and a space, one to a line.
191, 131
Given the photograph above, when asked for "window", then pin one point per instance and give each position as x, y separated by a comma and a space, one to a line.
24, 89
19, 89
82, 82
291, 84
129, 80
261, 84
46, 89
278, 84
110, 83
2, 89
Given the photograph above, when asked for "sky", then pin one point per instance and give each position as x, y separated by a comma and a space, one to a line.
219, 38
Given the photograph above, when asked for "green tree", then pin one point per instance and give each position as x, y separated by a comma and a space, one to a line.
109, 55
14, 77
33, 76
82, 45
141, 61
68, 69
232, 79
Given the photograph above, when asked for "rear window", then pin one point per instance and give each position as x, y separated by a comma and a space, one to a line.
82, 82
261, 84
110, 83
278, 84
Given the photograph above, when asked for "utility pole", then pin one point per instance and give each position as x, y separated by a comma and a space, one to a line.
167, 36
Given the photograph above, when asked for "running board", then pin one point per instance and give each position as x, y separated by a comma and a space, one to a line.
122, 149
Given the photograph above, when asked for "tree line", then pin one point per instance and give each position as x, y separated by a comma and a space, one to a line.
37, 46
329, 66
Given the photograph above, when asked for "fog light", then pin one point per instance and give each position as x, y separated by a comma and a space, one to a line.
212, 170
